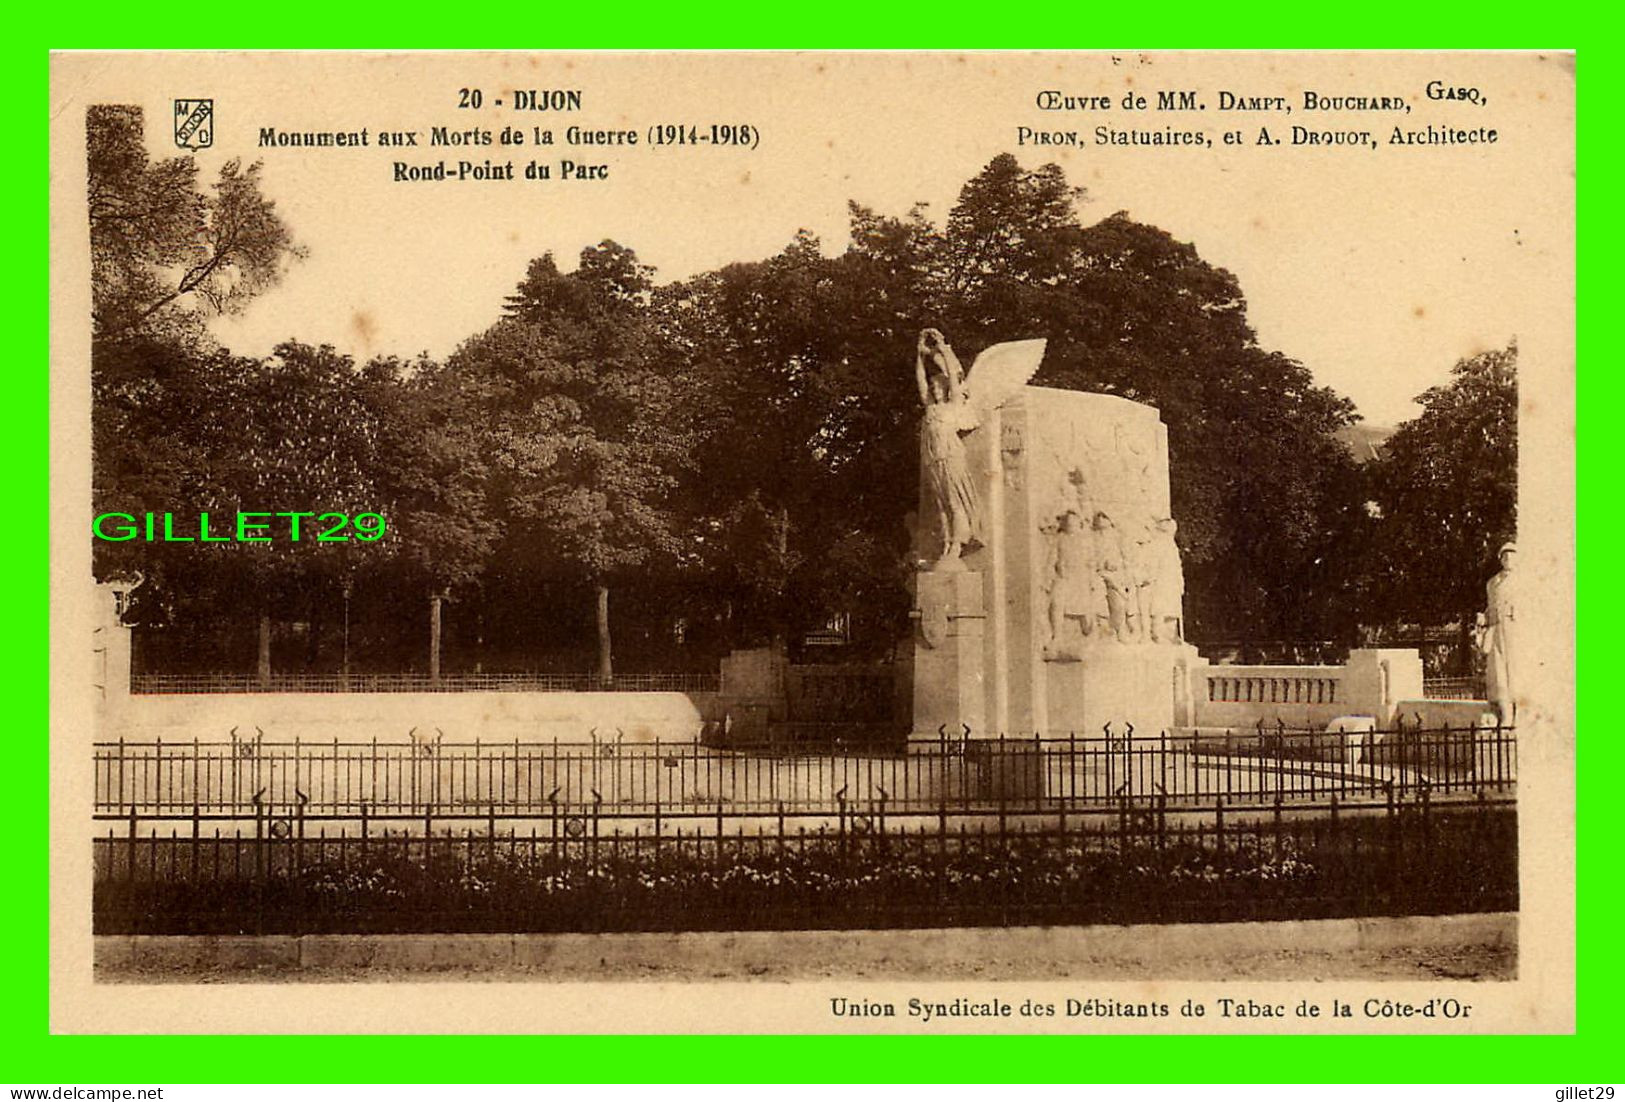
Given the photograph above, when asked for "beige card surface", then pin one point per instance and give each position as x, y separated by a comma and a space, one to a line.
1384, 216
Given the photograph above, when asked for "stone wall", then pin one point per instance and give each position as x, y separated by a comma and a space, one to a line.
462, 717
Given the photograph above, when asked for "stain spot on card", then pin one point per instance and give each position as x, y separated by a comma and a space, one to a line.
365, 326
1419, 312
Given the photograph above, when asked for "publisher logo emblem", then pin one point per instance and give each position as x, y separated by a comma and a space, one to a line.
194, 123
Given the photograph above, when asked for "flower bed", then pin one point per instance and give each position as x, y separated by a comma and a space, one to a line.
474, 883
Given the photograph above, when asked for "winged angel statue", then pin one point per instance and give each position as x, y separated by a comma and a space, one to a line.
955, 403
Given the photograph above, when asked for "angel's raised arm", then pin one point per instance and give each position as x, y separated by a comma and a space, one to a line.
955, 373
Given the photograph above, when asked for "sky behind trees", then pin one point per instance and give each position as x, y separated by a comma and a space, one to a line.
1373, 268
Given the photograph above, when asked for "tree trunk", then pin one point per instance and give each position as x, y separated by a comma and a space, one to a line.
606, 667
313, 639
264, 671
344, 668
434, 639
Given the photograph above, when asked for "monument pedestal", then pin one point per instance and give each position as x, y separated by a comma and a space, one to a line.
949, 683
1143, 684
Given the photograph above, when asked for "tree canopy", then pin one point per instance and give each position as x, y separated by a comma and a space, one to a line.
1446, 492
732, 455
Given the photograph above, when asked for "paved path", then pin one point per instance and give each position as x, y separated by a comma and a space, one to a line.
1455, 947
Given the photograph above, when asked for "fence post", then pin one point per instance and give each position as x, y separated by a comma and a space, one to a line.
880, 820
1071, 770
1426, 800
597, 810
718, 850
1111, 761
840, 800
1393, 837
553, 817
1280, 772
1129, 762
259, 862
299, 830
129, 865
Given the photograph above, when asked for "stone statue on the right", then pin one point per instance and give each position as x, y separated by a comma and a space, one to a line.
1497, 635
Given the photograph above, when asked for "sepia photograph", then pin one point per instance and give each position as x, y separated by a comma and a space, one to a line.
813, 542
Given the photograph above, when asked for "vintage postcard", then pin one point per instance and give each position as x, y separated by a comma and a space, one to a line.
813, 542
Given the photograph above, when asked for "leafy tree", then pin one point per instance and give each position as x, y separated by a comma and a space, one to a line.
164, 253
297, 430
434, 474
1446, 488
587, 426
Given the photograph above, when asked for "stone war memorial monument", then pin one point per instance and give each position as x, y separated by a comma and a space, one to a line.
1049, 589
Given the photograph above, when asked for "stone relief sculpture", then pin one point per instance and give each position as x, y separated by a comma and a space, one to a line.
1166, 607
1141, 578
1075, 594
1136, 582
1111, 564
1497, 635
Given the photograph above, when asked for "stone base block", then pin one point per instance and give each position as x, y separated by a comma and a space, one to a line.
1119, 684
949, 677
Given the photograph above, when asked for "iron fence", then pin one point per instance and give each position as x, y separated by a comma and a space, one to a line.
150, 683
435, 779
1131, 863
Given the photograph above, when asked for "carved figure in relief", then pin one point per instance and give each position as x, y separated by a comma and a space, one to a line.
1497, 634
1137, 558
1111, 564
1075, 593
1166, 607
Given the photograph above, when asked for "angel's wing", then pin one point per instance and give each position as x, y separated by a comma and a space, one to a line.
999, 372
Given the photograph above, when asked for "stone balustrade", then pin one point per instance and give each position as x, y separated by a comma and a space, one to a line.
1372, 683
